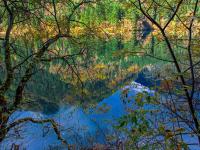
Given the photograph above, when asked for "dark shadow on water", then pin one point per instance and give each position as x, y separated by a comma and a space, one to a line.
146, 80
48, 108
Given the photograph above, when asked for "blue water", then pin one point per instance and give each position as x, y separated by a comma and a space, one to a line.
77, 126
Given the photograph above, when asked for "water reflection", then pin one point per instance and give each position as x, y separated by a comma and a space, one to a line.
55, 96
102, 74
79, 128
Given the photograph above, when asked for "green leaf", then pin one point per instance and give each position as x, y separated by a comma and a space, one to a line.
139, 98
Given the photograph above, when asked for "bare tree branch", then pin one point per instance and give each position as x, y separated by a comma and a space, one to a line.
51, 121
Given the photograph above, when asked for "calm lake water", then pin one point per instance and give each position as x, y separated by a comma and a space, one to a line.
87, 113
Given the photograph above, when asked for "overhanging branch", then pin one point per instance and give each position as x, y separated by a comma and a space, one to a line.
51, 121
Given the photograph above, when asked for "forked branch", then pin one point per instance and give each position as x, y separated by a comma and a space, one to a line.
51, 121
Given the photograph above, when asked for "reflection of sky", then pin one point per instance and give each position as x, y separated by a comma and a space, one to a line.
77, 126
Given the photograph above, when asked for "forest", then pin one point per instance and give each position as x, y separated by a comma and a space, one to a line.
99, 75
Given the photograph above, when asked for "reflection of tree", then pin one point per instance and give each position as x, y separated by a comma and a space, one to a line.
120, 44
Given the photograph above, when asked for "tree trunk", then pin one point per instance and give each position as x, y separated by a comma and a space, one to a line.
3, 117
3, 130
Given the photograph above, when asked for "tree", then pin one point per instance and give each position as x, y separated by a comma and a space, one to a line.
186, 78
32, 28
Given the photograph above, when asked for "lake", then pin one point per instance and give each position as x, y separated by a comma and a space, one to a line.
87, 107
